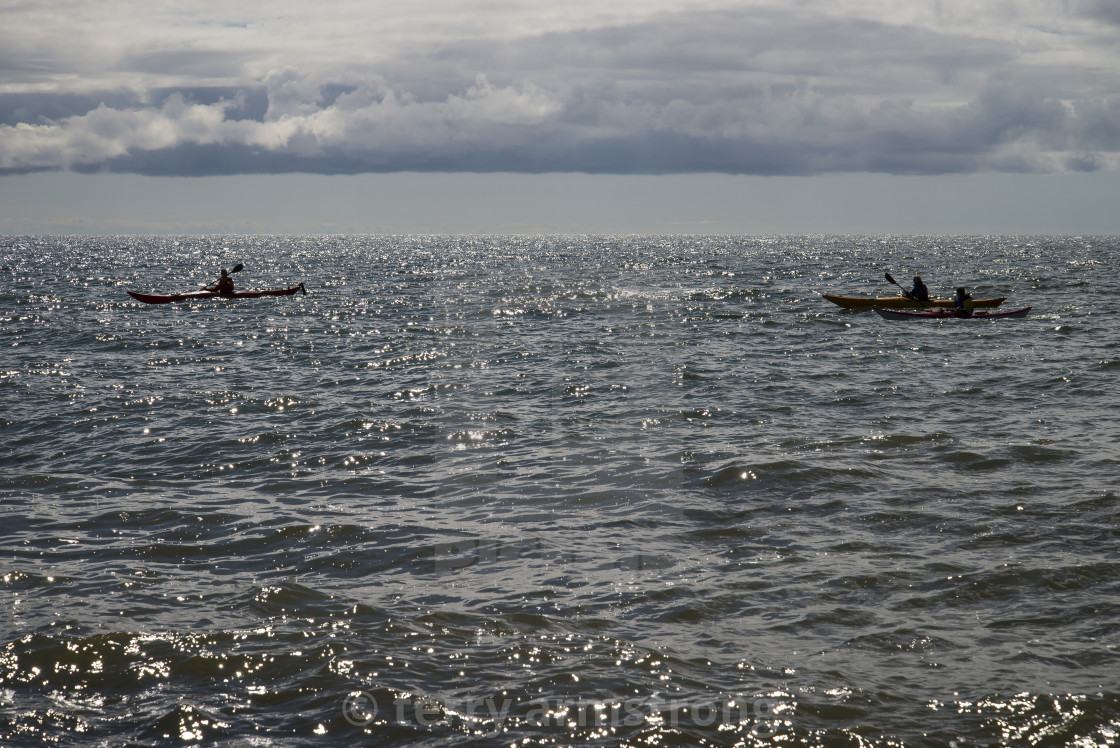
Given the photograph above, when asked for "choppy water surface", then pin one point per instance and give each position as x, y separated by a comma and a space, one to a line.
557, 491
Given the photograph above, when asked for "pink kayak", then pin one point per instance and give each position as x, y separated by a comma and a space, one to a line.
948, 314
155, 298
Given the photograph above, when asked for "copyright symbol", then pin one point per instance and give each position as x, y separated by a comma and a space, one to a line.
359, 708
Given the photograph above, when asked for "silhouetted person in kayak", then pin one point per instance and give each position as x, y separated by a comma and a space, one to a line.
919, 292
962, 304
225, 284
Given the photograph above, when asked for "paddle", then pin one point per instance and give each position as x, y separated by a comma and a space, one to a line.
236, 269
906, 293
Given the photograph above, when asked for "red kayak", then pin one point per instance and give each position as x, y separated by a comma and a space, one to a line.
157, 298
948, 314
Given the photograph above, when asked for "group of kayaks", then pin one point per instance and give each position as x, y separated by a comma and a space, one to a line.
887, 307
901, 307
908, 306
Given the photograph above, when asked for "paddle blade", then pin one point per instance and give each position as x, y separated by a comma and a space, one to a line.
237, 268
889, 278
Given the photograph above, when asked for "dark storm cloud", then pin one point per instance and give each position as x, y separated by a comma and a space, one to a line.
762, 89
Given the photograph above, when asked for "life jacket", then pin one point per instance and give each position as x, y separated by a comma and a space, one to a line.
964, 304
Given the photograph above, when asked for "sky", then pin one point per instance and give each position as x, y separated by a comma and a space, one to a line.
496, 116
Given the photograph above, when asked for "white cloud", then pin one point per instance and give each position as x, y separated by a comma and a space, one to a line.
105, 133
763, 87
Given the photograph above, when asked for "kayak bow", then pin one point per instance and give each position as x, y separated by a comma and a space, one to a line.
155, 298
947, 314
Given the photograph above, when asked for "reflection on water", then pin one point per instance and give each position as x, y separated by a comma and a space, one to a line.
556, 490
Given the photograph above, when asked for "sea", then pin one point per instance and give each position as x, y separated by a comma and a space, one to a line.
558, 491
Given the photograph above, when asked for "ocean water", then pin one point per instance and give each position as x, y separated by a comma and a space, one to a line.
522, 491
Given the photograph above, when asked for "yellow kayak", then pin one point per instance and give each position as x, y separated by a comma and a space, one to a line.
861, 303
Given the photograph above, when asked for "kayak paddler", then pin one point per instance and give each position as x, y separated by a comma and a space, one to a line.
224, 285
919, 292
962, 303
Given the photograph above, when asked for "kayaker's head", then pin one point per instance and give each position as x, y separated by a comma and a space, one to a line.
960, 291
224, 273
917, 279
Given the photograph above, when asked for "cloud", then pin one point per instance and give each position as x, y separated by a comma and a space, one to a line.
757, 88
1101, 10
